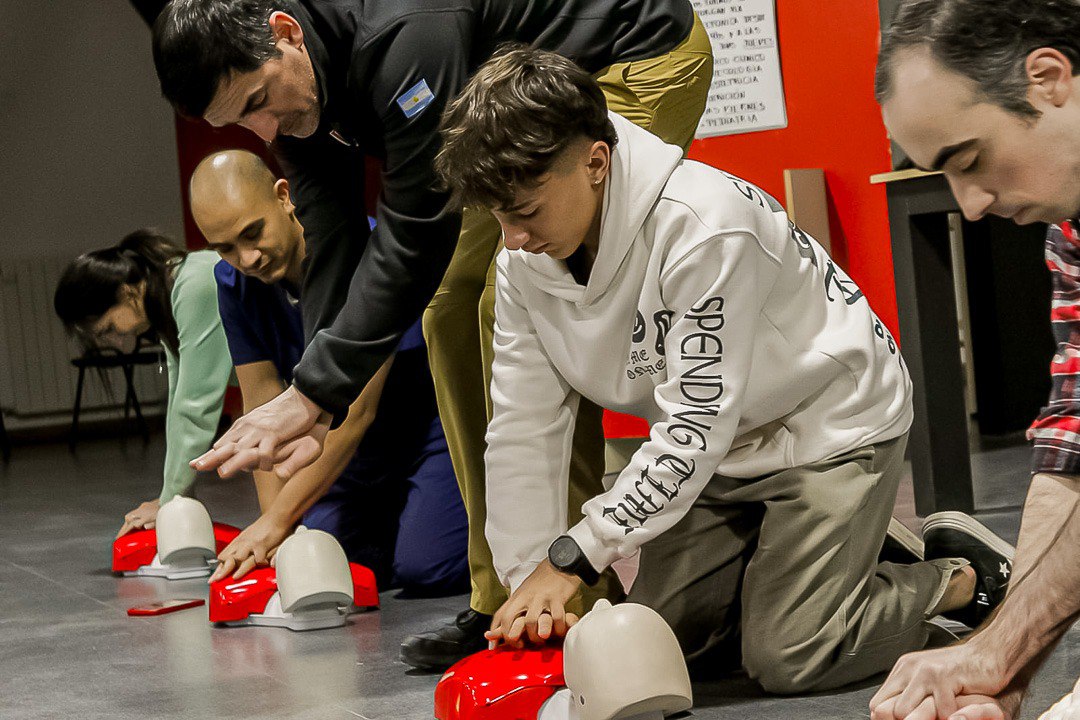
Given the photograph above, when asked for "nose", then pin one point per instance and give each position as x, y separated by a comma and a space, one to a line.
514, 237
262, 124
974, 200
249, 259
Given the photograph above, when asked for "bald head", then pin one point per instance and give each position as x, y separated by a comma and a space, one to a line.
232, 176
246, 215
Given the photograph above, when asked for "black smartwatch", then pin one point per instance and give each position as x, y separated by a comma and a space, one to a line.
566, 555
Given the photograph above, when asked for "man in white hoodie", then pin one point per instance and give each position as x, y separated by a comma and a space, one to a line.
779, 404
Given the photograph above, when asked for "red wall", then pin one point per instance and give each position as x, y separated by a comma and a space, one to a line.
827, 52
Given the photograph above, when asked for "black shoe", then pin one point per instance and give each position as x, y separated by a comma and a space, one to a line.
956, 535
440, 648
901, 546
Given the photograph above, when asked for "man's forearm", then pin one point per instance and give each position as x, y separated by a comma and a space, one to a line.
267, 487
1044, 598
311, 483
305, 488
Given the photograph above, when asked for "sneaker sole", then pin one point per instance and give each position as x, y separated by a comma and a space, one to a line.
904, 537
952, 520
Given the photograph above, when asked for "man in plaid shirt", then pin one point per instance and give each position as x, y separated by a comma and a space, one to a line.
1056, 432
997, 110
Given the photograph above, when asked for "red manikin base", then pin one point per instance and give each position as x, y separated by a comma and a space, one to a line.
234, 600
500, 684
138, 548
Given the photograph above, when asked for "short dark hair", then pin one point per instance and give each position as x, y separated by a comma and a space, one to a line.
198, 43
520, 110
987, 41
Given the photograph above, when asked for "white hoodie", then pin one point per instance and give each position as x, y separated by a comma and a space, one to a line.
707, 313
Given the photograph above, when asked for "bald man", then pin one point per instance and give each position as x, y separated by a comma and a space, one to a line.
384, 486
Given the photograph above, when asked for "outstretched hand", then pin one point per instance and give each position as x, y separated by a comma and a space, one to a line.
143, 517
283, 436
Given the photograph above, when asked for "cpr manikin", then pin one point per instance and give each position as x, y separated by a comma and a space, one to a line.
1067, 708
184, 544
619, 662
311, 586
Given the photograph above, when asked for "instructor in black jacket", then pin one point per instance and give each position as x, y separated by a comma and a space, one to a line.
330, 81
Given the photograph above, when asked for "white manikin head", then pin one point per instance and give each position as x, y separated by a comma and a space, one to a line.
185, 533
1067, 708
623, 662
312, 570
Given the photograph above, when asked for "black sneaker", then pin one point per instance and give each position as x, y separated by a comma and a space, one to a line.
957, 535
440, 648
901, 546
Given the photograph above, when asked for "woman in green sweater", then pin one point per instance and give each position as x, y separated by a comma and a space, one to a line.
146, 283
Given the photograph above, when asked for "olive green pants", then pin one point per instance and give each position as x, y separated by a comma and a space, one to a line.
781, 573
665, 95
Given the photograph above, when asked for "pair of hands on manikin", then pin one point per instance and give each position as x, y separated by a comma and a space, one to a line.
255, 546
960, 682
143, 517
283, 436
536, 611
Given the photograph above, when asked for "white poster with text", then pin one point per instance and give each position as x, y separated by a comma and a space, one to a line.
747, 92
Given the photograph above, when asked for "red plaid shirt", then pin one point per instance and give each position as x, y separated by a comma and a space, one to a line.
1056, 432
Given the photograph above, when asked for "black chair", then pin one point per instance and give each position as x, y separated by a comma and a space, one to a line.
5, 443
104, 360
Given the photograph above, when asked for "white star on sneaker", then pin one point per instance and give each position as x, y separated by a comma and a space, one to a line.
1004, 569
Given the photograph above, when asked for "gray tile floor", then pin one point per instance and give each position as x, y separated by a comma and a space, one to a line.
67, 648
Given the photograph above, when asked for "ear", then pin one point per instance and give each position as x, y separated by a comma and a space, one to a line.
599, 161
132, 293
286, 28
281, 191
1051, 75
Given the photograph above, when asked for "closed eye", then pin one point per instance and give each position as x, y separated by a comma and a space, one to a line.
971, 166
253, 104
253, 231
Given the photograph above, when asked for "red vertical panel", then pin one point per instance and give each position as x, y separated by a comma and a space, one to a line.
828, 49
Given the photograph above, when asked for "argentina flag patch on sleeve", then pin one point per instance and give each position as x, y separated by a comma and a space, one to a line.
415, 99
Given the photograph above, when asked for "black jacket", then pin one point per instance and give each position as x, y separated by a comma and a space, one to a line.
375, 61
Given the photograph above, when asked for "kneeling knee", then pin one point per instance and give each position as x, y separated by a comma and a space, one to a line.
778, 670
430, 579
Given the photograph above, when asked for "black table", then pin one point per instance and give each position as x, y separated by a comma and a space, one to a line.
1011, 342
919, 204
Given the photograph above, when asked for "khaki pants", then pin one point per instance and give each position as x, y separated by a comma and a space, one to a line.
665, 95
784, 569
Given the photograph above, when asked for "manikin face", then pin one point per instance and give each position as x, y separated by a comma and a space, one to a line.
280, 98
996, 162
563, 209
255, 230
120, 325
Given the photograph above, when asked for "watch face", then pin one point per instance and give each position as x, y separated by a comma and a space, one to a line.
564, 552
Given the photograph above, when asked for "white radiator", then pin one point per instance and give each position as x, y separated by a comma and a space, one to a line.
37, 379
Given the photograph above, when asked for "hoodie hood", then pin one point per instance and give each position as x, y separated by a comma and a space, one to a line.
641, 164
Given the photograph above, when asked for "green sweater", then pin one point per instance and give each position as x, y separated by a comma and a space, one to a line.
198, 376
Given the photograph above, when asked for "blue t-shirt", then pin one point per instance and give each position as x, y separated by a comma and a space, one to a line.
263, 323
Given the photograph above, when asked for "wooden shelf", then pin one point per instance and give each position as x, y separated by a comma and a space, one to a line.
897, 175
